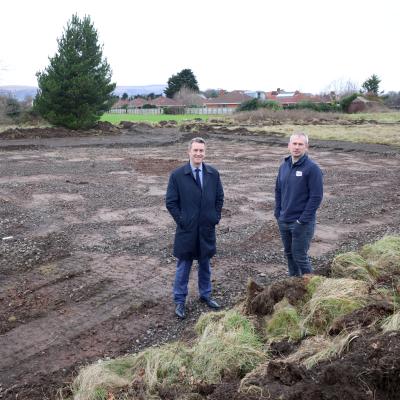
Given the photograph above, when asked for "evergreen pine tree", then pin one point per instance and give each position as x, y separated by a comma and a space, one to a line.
371, 85
75, 89
185, 78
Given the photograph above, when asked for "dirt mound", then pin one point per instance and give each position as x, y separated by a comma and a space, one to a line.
294, 289
363, 317
229, 390
136, 126
369, 370
361, 104
101, 128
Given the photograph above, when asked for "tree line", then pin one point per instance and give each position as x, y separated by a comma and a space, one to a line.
76, 88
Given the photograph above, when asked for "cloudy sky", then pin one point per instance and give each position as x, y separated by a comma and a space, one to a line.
307, 45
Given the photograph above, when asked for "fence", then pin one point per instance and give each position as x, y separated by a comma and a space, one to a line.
141, 111
188, 110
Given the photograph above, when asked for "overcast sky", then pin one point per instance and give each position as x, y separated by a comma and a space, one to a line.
230, 44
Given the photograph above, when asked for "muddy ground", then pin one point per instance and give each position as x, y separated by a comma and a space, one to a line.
86, 267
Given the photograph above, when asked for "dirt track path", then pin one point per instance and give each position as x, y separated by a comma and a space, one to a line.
88, 271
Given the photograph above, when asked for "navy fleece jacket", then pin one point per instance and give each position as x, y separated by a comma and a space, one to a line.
298, 190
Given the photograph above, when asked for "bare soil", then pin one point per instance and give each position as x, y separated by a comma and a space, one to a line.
369, 370
86, 268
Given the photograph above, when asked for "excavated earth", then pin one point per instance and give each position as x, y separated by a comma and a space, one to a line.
85, 263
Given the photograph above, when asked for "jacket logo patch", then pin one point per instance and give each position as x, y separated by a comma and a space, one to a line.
299, 173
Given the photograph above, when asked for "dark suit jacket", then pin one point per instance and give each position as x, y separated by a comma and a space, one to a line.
195, 211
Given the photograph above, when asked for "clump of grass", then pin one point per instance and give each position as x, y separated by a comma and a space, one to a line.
313, 283
308, 348
227, 345
319, 348
388, 245
391, 323
206, 319
333, 349
351, 265
384, 256
94, 381
333, 298
284, 323
162, 366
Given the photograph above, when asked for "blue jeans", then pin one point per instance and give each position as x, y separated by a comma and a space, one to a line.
296, 240
182, 274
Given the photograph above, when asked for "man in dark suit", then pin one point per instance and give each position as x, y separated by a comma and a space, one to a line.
194, 199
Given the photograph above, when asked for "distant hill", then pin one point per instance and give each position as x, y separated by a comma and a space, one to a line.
22, 92
135, 90
18, 92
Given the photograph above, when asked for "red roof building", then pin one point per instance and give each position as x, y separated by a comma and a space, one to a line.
138, 103
165, 102
227, 100
288, 98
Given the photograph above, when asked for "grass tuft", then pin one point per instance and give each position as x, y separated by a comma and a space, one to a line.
334, 349
384, 257
351, 265
388, 245
391, 323
284, 323
227, 345
333, 298
94, 381
308, 348
313, 283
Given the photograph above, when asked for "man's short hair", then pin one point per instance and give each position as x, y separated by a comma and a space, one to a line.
299, 134
196, 140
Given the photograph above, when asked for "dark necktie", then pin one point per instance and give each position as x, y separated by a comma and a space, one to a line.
198, 178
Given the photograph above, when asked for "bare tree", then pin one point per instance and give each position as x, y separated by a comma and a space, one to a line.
188, 97
341, 87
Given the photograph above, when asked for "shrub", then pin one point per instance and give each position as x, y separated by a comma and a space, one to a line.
311, 105
271, 105
249, 105
174, 110
346, 101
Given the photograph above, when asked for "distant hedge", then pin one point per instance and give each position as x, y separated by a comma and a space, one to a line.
255, 104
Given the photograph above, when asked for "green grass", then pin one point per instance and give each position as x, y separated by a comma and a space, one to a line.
227, 345
285, 323
380, 117
368, 133
153, 118
351, 265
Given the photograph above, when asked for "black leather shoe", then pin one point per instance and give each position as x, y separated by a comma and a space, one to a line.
210, 302
180, 311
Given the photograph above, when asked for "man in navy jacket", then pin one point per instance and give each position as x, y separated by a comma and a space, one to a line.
194, 199
298, 194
